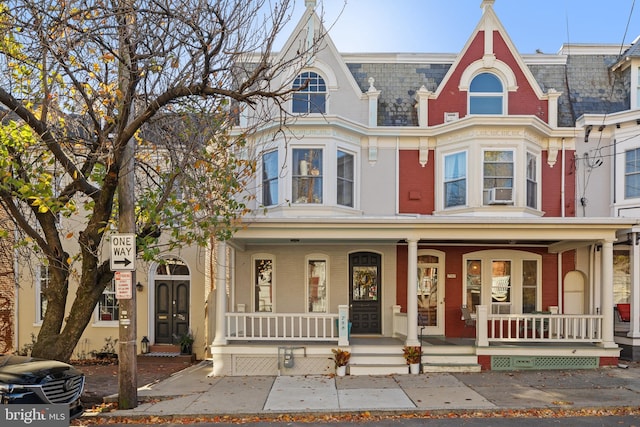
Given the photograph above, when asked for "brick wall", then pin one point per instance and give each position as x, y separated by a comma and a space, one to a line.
7, 288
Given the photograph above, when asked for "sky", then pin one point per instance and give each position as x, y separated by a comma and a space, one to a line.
443, 26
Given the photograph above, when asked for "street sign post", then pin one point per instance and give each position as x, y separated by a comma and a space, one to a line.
123, 252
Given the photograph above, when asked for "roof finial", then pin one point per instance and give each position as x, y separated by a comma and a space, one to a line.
310, 4
487, 4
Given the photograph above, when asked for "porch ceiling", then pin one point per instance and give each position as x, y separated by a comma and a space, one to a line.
557, 234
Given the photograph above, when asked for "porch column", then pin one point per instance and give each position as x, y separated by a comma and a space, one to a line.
634, 297
607, 294
412, 294
221, 293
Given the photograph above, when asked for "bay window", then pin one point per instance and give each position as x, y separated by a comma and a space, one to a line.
497, 177
307, 175
455, 179
270, 178
632, 174
345, 175
532, 181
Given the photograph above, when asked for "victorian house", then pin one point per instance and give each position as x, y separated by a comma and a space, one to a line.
465, 203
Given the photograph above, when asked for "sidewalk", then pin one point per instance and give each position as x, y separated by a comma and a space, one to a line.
192, 392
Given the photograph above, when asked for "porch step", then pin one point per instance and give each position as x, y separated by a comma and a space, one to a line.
450, 367
375, 359
450, 359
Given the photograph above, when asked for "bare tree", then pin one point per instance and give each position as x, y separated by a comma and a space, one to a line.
79, 79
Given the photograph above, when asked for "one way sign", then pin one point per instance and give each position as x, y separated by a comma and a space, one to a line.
123, 252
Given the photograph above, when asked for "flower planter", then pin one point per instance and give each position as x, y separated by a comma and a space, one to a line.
341, 371
414, 368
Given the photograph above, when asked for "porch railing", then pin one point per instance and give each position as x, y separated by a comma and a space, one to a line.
282, 326
537, 328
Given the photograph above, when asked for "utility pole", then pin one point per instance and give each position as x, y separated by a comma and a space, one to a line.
127, 362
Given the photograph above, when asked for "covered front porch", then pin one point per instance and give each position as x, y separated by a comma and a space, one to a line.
249, 341
297, 343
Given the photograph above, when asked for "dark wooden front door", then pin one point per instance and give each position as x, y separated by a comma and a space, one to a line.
172, 310
365, 288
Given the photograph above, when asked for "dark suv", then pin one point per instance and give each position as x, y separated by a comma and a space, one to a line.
25, 380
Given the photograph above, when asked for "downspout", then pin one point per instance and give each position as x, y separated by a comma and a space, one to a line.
560, 285
397, 176
16, 294
562, 184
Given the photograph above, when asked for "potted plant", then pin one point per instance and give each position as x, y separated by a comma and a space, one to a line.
340, 359
413, 356
186, 343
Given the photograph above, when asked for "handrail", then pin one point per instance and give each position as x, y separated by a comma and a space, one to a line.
543, 328
282, 326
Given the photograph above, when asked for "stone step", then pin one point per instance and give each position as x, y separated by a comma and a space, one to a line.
377, 369
443, 367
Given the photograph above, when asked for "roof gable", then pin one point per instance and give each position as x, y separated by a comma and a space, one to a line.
489, 48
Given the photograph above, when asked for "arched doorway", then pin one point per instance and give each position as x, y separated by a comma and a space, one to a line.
172, 282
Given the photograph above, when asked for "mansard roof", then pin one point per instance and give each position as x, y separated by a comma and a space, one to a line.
585, 80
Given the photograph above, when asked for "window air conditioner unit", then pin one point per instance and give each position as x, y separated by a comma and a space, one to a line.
500, 196
450, 117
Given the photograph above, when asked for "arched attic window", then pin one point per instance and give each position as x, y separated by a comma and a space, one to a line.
311, 99
486, 95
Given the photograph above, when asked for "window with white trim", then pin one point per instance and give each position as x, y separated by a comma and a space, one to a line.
317, 289
345, 176
43, 279
497, 176
486, 94
508, 282
307, 175
312, 97
638, 89
632, 174
532, 181
108, 304
264, 284
455, 179
270, 178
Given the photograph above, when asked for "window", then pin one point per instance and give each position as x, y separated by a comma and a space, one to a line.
455, 179
43, 280
474, 284
500, 287
621, 276
317, 285
486, 95
108, 304
312, 98
307, 176
638, 89
529, 286
263, 284
498, 177
507, 282
532, 184
270, 178
632, 174
345, 179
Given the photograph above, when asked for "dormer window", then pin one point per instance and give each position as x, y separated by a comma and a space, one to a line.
312, 98
486, 95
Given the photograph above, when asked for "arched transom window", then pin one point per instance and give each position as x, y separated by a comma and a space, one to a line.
312, 97
486, 95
